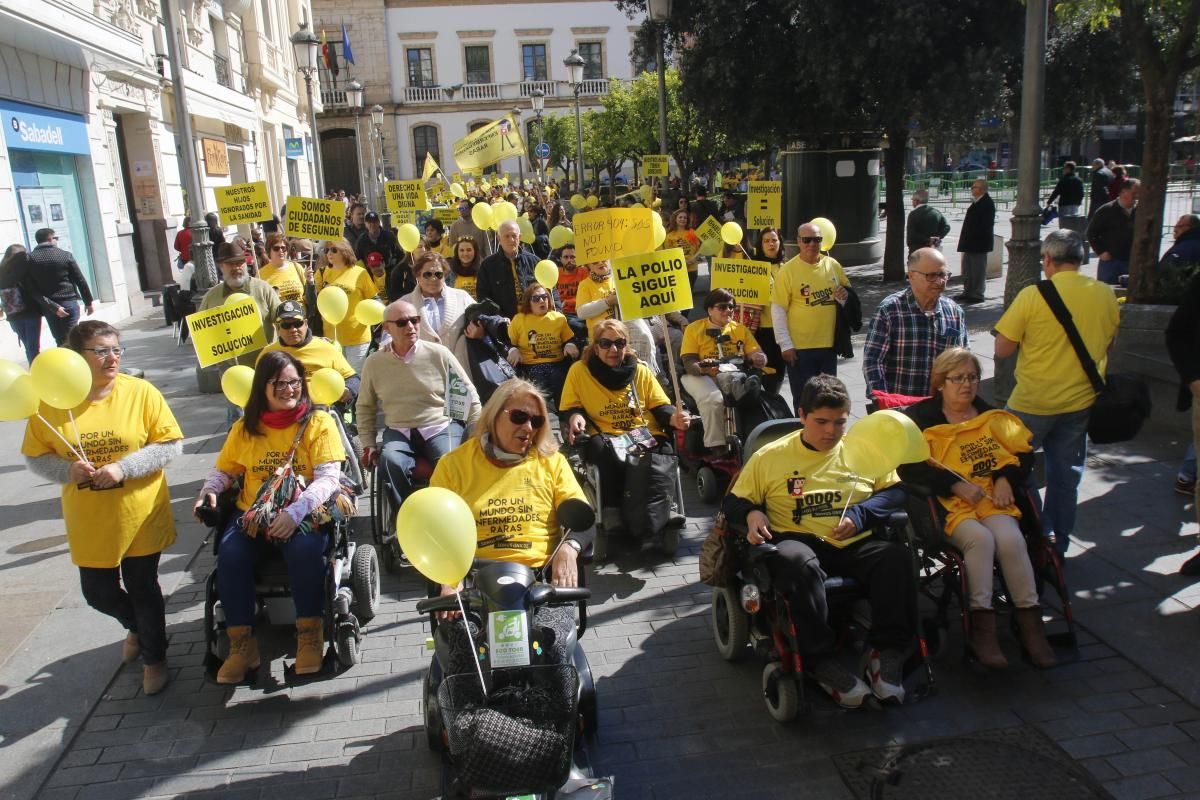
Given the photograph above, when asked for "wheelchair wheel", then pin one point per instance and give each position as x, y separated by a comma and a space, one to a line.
780, 692
347, 644
382, 516
706, 485
432, 713
600, 543
731, 627
364, 580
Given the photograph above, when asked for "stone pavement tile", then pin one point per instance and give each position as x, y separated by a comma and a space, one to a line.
119, 790
132, 752
1142, 787
1185, 778
1101, 744
78, 776
308, 790
306, 752
196, 782
1087, 724
1140, 762
1110, 701
1156, 694
1159, 713
1155, 736
155, 767
288, 734
80, 758
62, 793
1100, 769
209, 744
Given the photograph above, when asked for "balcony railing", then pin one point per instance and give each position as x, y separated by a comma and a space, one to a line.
594, 86
484, 92
333, 97
549, 88
424, 94
221, 67
481, 91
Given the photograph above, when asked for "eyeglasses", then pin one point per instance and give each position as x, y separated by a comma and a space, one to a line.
105, 352
279, 248
402, 322
539, 298
438, 275
609, 344
281, 385
291, 325
725, 306
810, 240
932, 276
518, 417
970, 377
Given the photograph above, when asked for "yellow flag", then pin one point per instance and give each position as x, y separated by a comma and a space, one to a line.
488, 145
431, 168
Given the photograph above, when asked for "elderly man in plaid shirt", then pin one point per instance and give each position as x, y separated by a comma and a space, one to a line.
911, 328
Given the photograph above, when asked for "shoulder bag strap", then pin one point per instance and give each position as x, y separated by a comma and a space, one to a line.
1063, 315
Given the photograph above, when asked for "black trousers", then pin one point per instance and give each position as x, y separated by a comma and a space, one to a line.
766, 340
883, 568
139, 606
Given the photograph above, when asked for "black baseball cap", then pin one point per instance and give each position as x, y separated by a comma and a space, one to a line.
371, 217
289, 309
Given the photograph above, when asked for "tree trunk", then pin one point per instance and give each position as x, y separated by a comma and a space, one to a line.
1152, 197
893, 165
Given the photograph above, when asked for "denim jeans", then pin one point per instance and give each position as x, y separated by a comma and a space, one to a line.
1110, 271
1063, 438
61, 326
1187, 472
29, 331
238, 555
399, 454
131, 595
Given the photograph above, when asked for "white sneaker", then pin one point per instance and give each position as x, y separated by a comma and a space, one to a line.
885, 671
840, 683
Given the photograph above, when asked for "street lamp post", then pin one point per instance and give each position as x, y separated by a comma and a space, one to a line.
660, 12
376, 166
354, 98
516, 112
538, 98
306, 44
574, 65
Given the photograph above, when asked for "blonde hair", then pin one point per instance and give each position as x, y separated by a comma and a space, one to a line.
543, 439
948, 361
343, 249
619, 331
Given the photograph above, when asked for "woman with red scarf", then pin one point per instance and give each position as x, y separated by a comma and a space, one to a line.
279, 420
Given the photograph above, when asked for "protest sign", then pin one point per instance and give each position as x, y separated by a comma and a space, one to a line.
764, 204
243, 202
320, 220
446, 216
652, 283
405, 196
613, 233
488, 145
225, 332
655, 166
709, 230
747, 281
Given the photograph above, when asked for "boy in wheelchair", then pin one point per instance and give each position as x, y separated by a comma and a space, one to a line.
796, 493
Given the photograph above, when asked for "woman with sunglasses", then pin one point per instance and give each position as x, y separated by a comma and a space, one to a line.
344, 273
114, 494
609, 393
279, 416
987, 458
288, 277
705, 343
464, 266
440, 305
542, 341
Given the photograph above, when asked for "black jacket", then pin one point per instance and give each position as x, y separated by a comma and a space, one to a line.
14, 274
1100, 180
56, 275
1111, 230
495, 280
386, 245
1183, 342
1068, 190
849, 321
978, 226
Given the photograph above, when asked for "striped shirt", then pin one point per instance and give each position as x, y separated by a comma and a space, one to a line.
904, 339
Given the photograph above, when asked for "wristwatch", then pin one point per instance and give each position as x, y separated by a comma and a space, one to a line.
576, 545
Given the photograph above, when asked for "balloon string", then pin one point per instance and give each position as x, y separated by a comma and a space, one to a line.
70, 447
82, 452
846, 507
742, 247
474, 654
960, 477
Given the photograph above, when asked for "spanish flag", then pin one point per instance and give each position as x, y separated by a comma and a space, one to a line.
329, 56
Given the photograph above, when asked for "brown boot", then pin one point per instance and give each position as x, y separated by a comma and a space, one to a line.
131, 648
1033, 637
310, 645
243, 655
155, 678
983, 642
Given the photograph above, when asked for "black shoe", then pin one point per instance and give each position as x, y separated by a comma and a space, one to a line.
1191, 567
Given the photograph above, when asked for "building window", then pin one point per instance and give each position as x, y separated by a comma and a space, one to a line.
479, 63
593, 60
266, 19
533, 62
425, 140
420, 66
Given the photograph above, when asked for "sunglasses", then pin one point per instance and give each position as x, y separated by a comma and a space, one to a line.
280, 248
291, 325
402, 322
725, 306
438, 275
810, 240
105, 352
539, 298
609, 344
518, 417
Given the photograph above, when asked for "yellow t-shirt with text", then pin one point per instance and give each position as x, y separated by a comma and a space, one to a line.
288, 280
358, 284
614, 412
540, 339
804, 490
515, 507
319, 353
806, 291
104, 527
686, 241
257, 457
591, 290
696, 340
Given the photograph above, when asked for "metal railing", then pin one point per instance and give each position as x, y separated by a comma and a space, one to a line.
223, 73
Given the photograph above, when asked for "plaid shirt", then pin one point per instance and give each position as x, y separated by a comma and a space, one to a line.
903, 341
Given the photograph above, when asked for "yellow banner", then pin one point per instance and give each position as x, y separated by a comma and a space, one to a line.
225, 332
446, 215
709, 229
612, 233
405, 196
655, 166
764, 204
652, 283
320, 220
243, 202
431, 168
488, 145
748, 281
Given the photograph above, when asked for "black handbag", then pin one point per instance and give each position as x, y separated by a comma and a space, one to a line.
648, 500
1122, 401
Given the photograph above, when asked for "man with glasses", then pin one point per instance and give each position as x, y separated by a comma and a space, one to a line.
441, 305
911, 328
413, 383
57, 277
504, 274
313, 352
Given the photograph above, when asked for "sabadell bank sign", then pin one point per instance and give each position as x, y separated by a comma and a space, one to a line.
31, 128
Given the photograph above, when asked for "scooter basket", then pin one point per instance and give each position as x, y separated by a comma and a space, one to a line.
521, 737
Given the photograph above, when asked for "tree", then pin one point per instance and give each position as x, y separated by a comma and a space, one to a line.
559, 133
1083, 78
692, 137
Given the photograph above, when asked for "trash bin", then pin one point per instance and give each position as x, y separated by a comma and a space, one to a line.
1079, 224
169, 290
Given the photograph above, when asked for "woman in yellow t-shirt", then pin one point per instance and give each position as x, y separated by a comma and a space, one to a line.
464, 266
289, 278
541, 341
681, 236
114, 494
279, 416
596, 296
344, 272
609, 393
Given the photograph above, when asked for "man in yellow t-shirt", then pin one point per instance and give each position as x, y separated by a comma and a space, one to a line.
1053, 395
799, 494
804, 302
596, 297
313, 352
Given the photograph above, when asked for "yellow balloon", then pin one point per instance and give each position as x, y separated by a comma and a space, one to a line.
457, 190
482, 216
637, 205
503, 212
828, 233
731, 233
236, 384
333, 303
9, 372
409, 237
546, 273
593, 201
487, 187
326, 386
659, 231
646, 192
18, 400
916, 447
436, 530
236, 297
369, 312
560, 236
710, 247
578, 202
878, 443
61, 378
527, 235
